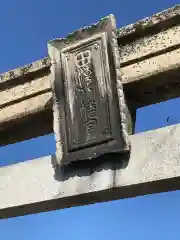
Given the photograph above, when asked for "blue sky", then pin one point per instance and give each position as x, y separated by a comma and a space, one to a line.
26, 26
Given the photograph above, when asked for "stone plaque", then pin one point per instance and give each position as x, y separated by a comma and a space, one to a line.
90, 114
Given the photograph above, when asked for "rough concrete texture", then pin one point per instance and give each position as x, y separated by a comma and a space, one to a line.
38, 185
25, 70
147, 46
24, 103
23, 91
25, 108
161, 19
87, 121
137, 50
143, 57
151, 66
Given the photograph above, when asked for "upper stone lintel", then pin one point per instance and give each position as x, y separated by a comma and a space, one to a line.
162, 20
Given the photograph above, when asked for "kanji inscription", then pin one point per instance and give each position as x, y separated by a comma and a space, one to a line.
89, 108
86, 96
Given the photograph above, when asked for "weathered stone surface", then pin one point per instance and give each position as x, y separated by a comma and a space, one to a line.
164, 19
151, 67
39, 185
25, 108
154, 163
148, 46
157, 21
144, 49
21, 92
87, 87
25, 70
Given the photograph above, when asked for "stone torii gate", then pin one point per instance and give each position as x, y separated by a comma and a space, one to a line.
87, 92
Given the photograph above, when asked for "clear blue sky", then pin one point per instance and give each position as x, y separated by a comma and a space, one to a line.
26, 26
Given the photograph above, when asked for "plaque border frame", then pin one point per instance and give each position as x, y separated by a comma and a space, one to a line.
56, 48
82, 44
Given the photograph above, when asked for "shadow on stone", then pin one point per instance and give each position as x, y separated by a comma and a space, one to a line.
81, 168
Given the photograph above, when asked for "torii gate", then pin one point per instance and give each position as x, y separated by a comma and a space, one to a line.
98, 156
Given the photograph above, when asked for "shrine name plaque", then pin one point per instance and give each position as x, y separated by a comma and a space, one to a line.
88, 102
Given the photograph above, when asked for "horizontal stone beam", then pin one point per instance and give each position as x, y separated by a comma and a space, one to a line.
150, 65
38, 185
